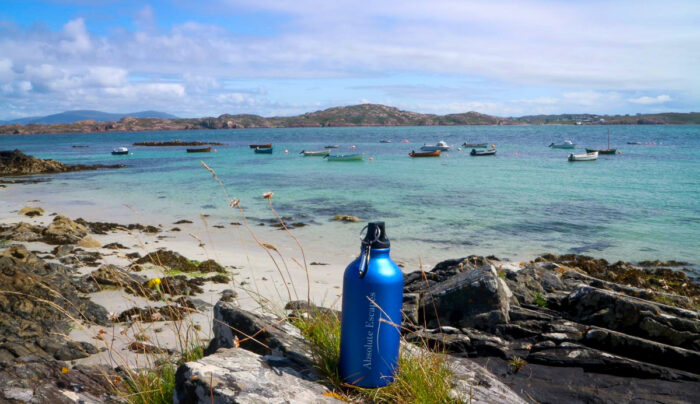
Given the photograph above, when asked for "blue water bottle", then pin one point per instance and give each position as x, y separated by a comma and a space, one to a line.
370, 330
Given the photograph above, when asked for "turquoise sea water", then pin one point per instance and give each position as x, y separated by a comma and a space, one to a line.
642, 204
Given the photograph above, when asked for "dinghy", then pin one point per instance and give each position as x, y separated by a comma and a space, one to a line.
583, 157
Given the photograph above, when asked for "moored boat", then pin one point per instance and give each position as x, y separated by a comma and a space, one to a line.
635, 143
603, 151
262, 146
120, 150
385, 141
583, 157
321, 153
568, 144
332, 146
346, 157
491, 152
263, 150
441, 145
199, 150
475, 145
435, 153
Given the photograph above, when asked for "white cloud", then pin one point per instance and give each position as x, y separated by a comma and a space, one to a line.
582, 57
645, 100
76, 39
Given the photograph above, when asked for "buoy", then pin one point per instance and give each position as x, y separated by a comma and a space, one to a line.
352, 147
286, 151
371, 159
515, 154
619, 152
447, 155
493, 146
215, 150
459, 149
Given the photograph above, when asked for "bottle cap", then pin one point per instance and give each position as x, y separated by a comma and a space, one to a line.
376, 236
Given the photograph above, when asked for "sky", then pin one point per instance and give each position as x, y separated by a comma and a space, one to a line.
276, 58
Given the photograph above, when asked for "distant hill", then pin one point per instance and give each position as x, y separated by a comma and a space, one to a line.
668, 118
354, 115
86, 115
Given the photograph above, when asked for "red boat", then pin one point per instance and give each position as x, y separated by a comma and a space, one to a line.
435, 153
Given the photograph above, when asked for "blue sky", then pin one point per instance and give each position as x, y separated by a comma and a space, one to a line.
501, 57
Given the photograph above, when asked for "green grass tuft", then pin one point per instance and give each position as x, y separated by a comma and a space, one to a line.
540, 300
422, 377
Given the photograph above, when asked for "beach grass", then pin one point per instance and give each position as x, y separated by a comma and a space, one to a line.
422, 376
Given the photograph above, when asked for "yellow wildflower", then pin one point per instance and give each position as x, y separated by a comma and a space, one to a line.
153, 283
64, 370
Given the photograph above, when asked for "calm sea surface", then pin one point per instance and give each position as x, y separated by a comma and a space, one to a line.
642, 204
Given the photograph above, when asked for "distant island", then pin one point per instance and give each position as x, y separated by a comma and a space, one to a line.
355, 115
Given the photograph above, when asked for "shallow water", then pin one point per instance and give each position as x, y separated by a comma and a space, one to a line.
642, 204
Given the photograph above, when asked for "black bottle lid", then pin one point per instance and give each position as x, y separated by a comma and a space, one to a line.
376, 236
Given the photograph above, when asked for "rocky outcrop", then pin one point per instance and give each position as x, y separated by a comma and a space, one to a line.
31, 211
64, 231
474, 299
560, 319
105, 227
255, 358
38, 304
175, 261
15, 163
35, 379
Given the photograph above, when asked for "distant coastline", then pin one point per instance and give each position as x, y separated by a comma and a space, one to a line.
348, 116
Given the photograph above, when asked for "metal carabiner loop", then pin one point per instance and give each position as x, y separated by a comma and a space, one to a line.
366, 251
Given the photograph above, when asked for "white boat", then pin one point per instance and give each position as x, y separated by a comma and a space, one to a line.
321, 153
120, 150
441, 145
584, 156
568, 144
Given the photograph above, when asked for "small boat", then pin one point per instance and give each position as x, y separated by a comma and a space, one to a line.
491, 152
583, 157
568, 144
346, 157
315, 153
475, 145
385, 141
634, 143
199, 150
120, 151
603, 151
263, 150
435, 153
332, 146
441, 145
262, 146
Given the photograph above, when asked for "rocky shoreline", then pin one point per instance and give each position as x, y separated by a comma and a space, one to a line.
557, 329
15, 163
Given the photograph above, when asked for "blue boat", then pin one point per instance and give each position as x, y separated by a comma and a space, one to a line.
263, 150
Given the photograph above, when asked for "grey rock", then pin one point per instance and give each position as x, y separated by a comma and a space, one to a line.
411, 302
474, 298
264, 336
643, 350
634, 316
240, 376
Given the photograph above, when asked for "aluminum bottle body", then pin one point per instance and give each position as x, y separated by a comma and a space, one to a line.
370, 327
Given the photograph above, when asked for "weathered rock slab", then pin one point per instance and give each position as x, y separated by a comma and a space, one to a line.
236, 375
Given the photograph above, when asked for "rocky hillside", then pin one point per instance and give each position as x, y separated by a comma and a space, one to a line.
356, 115
669, 118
